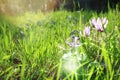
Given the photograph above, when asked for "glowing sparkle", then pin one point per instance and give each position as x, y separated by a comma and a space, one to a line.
70, 65
72, 61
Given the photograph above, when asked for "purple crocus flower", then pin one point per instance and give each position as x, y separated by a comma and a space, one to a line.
104, 22
93, 22
87, 31
99, 24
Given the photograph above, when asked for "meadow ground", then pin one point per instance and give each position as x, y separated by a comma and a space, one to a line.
38, 46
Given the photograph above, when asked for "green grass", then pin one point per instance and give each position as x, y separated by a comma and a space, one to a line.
32, 46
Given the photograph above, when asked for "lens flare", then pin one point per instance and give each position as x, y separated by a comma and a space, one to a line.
72, 61
70, 65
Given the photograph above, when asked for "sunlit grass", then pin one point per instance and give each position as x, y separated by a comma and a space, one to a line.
32, 47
